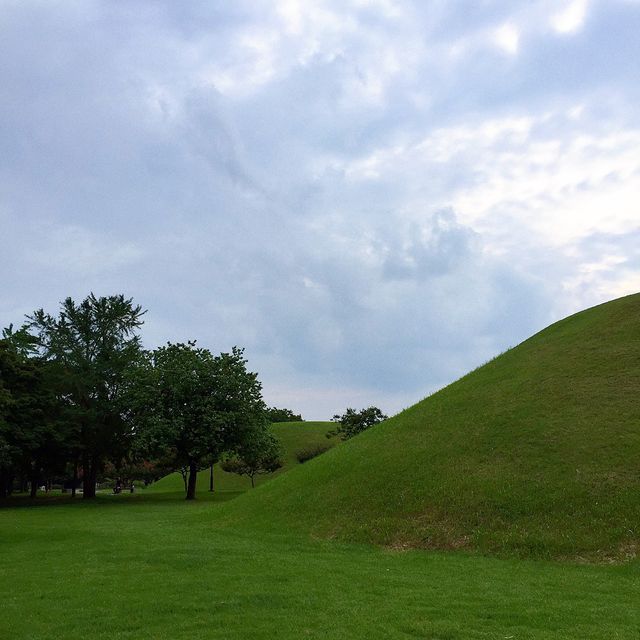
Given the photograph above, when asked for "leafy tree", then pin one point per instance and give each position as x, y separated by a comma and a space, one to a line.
353, 422
145, 471
92, 344
8, 452
260, 454
192, 407
33, 437
282, 415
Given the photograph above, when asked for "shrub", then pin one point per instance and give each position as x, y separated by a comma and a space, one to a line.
354, 422
312, 451
282, 415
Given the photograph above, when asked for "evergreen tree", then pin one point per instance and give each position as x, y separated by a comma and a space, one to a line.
92, 345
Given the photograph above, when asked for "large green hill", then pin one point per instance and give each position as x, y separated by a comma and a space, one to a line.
535, 453
293, 436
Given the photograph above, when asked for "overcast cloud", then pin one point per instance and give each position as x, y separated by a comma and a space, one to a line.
372, 197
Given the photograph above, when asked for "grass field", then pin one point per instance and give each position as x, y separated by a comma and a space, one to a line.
536, 454
292, 436
153, 566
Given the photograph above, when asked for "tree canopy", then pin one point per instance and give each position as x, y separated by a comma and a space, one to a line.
33, 434
282, 415
353, 422
77, 391
192, 406
92, 344
259, 454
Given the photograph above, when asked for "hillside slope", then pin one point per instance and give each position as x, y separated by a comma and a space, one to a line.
292, 436
536, 453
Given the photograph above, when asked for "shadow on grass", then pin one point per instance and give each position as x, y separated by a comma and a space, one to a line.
105, 499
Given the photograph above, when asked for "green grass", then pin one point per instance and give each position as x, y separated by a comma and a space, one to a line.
535, 454
153, 566
292, 437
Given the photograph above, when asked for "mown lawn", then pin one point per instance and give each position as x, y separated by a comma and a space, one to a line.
155, 566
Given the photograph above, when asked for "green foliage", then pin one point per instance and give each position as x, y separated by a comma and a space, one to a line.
139, 471
191, 406
353, 422
91, 345
312, 451
537, 453
21, 341
6, 403
33, 436
282, 415
291, 437
258, 454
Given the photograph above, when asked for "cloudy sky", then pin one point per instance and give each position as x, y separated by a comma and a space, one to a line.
371, 196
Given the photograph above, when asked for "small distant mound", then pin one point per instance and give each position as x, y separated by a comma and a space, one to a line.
537, 453
293, 437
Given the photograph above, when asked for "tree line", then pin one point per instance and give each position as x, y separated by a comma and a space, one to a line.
79, 397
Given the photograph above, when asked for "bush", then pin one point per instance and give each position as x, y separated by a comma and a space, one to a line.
282, 415
312, 451
354, 422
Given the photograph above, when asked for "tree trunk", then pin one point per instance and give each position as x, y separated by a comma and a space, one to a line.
253, 484
89, 477
211, 478
75, 478
4, 483
35, 478
193, 475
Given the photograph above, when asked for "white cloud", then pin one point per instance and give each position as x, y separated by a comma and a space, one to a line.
572, 18
507, 38
555, 178
372, 197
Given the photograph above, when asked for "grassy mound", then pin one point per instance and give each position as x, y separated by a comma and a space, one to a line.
537, 453
292, 436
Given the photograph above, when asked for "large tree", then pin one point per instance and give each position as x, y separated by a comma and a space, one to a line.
193, 406
92, 343
8, 451
33, 433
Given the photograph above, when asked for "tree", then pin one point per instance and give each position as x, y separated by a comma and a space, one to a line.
258, 455
33, 438
193, 407
8, 452
138, 470
92, 344
282, 415
353, 422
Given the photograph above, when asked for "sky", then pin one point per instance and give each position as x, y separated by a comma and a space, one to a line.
372, 197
